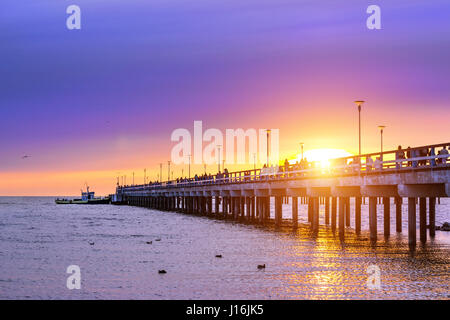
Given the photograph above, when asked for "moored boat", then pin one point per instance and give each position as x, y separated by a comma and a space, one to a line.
87, 197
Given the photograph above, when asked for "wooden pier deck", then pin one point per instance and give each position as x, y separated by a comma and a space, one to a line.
245, 195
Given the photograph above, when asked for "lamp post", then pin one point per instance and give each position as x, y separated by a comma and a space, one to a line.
218, 156
160, 172
189, 155
381, 134
268, 133
168, 170
301, 146
359, 104
254, 161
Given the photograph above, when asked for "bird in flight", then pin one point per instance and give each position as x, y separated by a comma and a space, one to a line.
26, 156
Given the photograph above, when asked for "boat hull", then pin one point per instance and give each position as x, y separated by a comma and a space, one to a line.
92, 201
79, 201
57, 201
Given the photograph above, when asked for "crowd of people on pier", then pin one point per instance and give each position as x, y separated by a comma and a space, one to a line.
409, 157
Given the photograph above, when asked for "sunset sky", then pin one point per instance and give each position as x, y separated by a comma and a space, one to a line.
88, 105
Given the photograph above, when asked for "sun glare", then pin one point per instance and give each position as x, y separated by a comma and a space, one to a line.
323, 156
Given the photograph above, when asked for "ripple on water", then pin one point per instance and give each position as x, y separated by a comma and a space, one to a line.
122, 265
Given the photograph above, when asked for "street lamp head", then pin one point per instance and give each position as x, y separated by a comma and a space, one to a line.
359, 102
381, 127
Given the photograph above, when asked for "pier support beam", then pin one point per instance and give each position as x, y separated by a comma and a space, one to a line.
261, 210
216, 205
387, 216
278, 210
333, 212
358, 201
224, 206
432, 217
327, 210
347, 211
412, 221
237, 207
315, 213
248, 203
423, 219
253, 213
342, 217
373, 218
309, 209
295, 212
398, 214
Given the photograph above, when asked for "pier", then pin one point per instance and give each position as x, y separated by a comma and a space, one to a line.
420, 178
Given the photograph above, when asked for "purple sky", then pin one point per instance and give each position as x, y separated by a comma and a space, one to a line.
139, 69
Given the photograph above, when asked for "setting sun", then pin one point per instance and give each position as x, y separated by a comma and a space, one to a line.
322, 155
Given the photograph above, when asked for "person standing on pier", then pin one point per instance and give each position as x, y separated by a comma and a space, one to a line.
369, 163
431, 154
399, 155
443, 151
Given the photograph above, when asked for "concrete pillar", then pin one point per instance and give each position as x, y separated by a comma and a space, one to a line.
387, 216
432, 213
315, 211
253, 215
347, 211
333, 212
278, 210
248, 204
309, 209
327, 210
242, 208
261, 210
341, 217
358, 201
216, 205
232, 207
373, 218
210, 205
398, 214
258, 209
203, 206
224, 206
295, 212
412, 221
423, 219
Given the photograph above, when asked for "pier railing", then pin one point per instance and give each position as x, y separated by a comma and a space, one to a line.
417, 158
